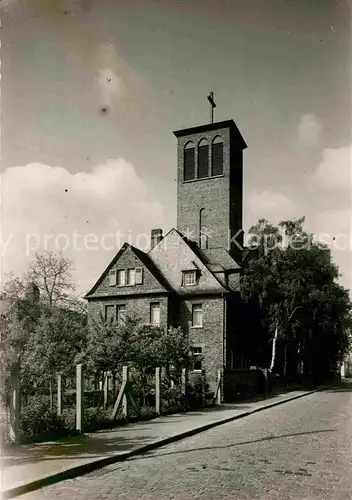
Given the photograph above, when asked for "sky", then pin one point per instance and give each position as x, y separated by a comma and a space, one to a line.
91, 92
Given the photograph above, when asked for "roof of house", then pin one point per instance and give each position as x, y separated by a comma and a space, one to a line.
147, 261
216, 260
219, 257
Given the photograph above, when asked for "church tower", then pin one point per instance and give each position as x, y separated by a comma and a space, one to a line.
210, 185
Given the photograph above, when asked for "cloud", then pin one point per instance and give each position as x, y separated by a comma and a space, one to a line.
308, 131
330, 224
270, 205
333, 221
333, 227
87, 215
334, 169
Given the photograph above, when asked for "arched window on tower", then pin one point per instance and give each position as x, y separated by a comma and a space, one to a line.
217, 157
203, 159
189, 162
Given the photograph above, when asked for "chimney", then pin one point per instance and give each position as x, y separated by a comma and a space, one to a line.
156, 237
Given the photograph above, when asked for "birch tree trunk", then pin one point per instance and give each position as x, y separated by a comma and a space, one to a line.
273, 351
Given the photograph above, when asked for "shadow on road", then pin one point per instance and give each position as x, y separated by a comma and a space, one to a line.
268, 438
79, 447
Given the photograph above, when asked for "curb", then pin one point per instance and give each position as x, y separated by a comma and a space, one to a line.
103, 462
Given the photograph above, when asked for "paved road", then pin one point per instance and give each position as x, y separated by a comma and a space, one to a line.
300, 450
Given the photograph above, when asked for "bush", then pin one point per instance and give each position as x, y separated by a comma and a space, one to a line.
93, 419
172, 397
91, 398
199, 394
96, 418
38, 420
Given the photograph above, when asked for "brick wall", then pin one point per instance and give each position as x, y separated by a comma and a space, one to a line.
220, 197
210, 337
135, 306
212, 194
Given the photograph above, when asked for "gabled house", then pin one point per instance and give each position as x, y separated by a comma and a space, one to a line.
131, 283
191, 276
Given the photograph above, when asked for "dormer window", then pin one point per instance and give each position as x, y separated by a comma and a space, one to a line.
189, 162
189, 278
217, 157
203, 159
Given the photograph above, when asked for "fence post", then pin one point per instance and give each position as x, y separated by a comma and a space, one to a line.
79, 398
184, 383
218, 394
157, 391
124, 399
15, 407
59, 395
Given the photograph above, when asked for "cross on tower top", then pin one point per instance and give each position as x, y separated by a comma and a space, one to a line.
212, 106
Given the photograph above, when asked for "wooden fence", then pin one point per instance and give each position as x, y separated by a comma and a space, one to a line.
125, 398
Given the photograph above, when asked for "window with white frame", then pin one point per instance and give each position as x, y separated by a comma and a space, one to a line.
155, 313
120, 314
121, 277
112, 277
131, 276
197, 315
197, 358
189, 278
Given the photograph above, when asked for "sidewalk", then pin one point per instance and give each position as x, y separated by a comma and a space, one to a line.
29, 467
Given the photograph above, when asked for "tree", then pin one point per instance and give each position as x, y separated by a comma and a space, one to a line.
44, 324
109, 346
302, 307
53, 276
175, 350
142, 347
154, 346
53, 348
146, 352
48, 280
